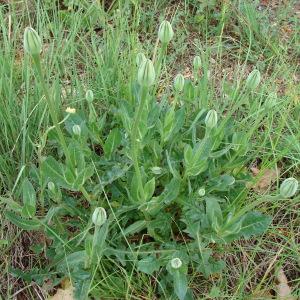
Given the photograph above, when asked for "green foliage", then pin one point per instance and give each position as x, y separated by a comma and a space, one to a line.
163, 205
144, 160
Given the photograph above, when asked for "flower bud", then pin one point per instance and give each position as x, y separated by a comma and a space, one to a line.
179, 83
211, 119
253, 80
146, 73
99, 216
176, 263
165, 32
156, 170
51, 186
89, 96
201, 192
76, 129
197, 63
140, 58
289, 187
32, 42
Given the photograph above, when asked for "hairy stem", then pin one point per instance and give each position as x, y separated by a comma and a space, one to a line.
37, 62
135, 141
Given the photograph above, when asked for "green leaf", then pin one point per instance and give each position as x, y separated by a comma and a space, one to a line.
168, 124
82, 288
112, 142
254, 223
29, 199
171, 191
135, 227
179, 120
222, 183
100, 236
208, 265
180, 284
126, 114
22, 223
188, 155
11, 204
72, 260
214, 212
196, 160
149, 189
148, 265
220, 153
53, 170
82, 176
76, 157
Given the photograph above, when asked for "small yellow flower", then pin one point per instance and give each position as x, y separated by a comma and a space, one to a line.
71, 110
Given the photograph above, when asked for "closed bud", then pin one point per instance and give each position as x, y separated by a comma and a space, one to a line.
51, 186
99, 216
165, 32
179, 83
76, 129
176, 263
140, 58
146, 73
201, 192
197, 63
211, 119
289, 187
253, 80
32, 42
89, 96
156, 170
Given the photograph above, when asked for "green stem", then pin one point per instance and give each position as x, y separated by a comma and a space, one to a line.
51, 105
134, 139
37, 62
162, 54
94, 244
86, 195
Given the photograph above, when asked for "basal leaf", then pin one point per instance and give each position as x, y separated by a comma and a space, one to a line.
53, 170
135, 227
21, 222
254, 223
112, 142
29, 199
148, 265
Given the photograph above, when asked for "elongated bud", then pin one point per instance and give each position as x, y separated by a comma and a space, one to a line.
76, 129
140, 58
211, 119
289, 187
179, 83
253, 80
146, 73
165, 32
99, 216
89, 96
51, 186
176, 263
197, 63
32, 42
201, 192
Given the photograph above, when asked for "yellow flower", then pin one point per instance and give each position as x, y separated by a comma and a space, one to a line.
71, 110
